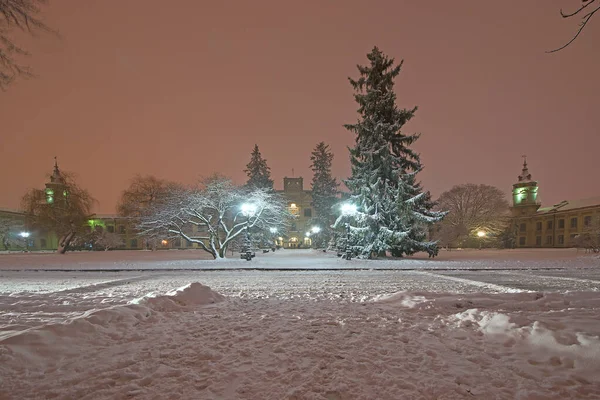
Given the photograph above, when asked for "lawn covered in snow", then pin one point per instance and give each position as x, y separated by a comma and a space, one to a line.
499, 325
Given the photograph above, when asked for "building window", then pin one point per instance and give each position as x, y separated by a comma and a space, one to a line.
308, 212
538, 226
110, 228
43, 243
538, 240
587, 220
549, 225
293, 208
177, 242
522, 241
572, 237
121, 229
133, 243
561, 239
523, 227
574, 222
548, 239
561, 224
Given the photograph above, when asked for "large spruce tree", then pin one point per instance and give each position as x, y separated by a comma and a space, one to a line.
259, 174
393, 210
324, 191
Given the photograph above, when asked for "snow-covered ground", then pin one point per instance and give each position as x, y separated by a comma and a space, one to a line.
300, 325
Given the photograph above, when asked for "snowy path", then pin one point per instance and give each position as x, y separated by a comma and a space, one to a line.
33, 298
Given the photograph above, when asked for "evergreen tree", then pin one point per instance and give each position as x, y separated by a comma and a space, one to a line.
393, 210
324, 191
259, 174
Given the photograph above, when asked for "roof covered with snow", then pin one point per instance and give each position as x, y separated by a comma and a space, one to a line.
567, 205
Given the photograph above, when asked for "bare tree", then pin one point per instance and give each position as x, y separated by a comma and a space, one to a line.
589, 238
586, 11
211, 215
143, 195
109, 240
21, 15
472, 208
66, 215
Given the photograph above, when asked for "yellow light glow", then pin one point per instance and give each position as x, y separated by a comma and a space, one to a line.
480, 234
164, 242
293, 205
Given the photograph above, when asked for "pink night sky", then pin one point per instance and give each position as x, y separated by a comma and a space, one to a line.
184, 89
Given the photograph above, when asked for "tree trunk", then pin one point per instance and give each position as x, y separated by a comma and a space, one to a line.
64, 241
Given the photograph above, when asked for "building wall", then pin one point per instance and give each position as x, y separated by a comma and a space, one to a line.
300, 204
554, 229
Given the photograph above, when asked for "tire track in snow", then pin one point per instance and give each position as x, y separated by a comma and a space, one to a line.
550, 277
104, 285
489, 286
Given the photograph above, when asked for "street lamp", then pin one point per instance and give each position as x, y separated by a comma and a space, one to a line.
315, 230
25, 236
273, 231
248, 210
348, 210
481, 235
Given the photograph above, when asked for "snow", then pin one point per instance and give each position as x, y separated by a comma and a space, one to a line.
460, 326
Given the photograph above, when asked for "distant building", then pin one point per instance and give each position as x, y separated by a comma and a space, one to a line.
300, 204
56, 192
554, 226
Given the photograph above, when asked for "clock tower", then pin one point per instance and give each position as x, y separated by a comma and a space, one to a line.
56, 190
525, 193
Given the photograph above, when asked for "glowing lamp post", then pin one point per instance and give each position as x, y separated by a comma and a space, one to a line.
248, 210
273, 231
315, 231
481, 235
25, 236
348, 210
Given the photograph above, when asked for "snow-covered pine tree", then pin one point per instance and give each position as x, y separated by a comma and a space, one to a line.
259, 177
324, 192
258, 172
393, 210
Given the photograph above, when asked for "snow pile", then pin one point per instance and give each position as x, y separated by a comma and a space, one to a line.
408, 300
112, 322
194, 294
577, 345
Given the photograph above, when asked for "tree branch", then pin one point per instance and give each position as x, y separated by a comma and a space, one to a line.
585, 19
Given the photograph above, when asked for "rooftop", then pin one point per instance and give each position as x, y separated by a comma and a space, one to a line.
566, 205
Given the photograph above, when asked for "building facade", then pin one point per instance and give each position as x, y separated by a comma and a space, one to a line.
300, 204
555, 226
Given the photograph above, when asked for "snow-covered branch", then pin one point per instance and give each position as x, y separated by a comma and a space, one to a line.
210, 214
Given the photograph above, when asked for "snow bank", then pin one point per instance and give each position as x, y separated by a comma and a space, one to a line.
194, 294
54, 340
576, 346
